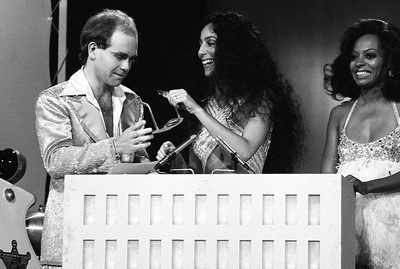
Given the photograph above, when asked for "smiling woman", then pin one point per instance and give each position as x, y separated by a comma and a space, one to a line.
367, 62
248, 105
359, 144
208, 40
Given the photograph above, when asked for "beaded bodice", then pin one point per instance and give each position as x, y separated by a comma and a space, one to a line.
386, 148
204, 144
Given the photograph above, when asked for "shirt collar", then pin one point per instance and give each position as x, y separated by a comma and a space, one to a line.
79, 85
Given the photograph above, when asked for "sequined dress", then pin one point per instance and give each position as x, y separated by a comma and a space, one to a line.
204, 144
377, 214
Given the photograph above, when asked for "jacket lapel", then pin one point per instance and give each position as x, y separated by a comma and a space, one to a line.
131, 111
76, 91
91, 120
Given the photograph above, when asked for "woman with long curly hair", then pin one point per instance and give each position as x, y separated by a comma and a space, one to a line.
363, 135
249, 105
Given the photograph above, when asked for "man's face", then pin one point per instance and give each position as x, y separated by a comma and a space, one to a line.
113, 63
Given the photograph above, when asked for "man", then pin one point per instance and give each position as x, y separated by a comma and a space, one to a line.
91, 122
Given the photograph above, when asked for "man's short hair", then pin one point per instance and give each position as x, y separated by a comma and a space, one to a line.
100, 27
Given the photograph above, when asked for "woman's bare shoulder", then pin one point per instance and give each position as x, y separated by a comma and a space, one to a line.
339, 113
343, 108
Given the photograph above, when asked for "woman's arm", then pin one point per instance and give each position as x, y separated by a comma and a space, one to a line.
254, 133
330, 156
380, 185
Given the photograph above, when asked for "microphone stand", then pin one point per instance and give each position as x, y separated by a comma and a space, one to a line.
234, 161
235, 157
169, 158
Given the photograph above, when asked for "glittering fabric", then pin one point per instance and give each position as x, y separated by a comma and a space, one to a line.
73, 140
204, 144
377, 215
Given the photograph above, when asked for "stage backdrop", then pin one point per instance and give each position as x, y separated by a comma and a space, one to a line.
24, 72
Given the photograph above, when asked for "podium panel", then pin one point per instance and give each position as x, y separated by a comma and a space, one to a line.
208, 221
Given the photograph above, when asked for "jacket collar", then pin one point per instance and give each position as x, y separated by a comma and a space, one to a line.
79, 85
80, 94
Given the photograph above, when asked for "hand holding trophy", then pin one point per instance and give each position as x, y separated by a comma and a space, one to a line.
132, 139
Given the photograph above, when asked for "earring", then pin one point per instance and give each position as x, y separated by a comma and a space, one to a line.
390, 73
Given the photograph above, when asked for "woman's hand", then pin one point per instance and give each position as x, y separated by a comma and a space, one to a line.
358, 185
181, 97
166, 148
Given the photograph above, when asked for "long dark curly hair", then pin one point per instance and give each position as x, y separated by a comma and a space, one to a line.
338, 81
245, 70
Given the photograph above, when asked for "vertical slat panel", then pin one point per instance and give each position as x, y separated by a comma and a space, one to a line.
178, 250
88, 254
245, 209
178, 207
314, 216
201, 210
155, 254
268, 254
156, 209
200, 255
313, 255
111, 254
132, 254
223, 259
245, 254
268, 207
291, 254
224, 212
111, 209
133, 209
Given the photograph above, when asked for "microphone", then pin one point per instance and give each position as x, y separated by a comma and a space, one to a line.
234, 154
173, 153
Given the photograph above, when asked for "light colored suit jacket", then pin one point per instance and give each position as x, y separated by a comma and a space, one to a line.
73, 140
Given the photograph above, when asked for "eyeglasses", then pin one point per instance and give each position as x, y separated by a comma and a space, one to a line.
169, 125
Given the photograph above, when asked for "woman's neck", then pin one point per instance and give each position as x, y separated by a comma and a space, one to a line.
219, 94
373, 97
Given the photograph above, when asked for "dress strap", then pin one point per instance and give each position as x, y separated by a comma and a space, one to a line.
349, 115
396, 113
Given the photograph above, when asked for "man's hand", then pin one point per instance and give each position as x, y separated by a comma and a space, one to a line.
132, 139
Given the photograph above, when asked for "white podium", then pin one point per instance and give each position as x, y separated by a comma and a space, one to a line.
208, 221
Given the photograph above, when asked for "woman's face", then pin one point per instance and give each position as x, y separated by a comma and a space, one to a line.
208, 42
367, 62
